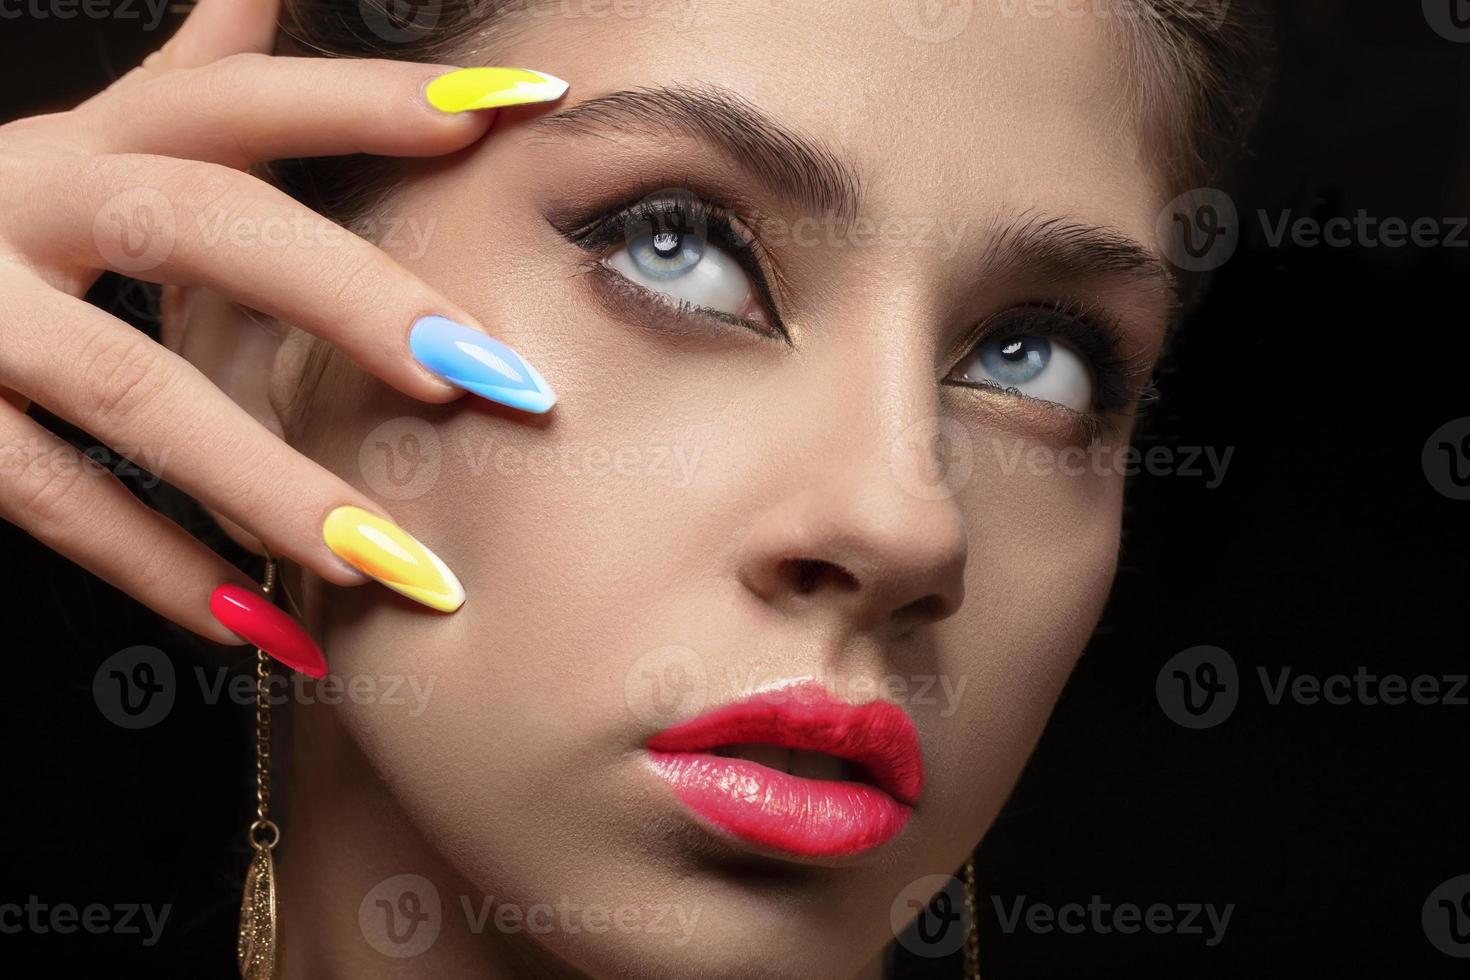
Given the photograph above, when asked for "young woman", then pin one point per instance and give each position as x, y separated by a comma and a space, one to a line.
730, 396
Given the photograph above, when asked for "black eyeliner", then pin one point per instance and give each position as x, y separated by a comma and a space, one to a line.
1097, 337
686, 213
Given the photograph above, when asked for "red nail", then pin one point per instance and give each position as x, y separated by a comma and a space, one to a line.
250, 616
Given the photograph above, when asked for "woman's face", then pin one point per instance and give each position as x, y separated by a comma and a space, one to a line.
810, 473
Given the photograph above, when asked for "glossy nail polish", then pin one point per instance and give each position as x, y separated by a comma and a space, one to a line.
253, 618
492, 88
391, 555
479, 363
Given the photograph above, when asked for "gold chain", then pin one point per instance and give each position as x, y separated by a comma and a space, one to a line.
972, 934
255, 947
263, 823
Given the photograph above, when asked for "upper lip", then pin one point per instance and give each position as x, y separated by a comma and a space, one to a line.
878, 735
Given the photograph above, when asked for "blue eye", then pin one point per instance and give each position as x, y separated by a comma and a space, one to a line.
1030, 364
681, 264
664, 254
1016, 360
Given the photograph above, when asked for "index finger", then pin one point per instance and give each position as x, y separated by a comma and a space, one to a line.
251, 108
212, 30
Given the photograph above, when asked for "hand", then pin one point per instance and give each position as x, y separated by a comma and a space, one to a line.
78, 191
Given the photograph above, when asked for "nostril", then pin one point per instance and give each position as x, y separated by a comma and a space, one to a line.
810, 574
930, 609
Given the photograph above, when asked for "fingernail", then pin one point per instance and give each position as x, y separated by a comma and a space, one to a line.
253, 618
491, 88
394, 557
479, 363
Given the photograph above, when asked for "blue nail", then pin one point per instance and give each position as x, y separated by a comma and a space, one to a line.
472, 361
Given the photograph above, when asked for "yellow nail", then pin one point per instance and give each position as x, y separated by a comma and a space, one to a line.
491, 88
394, 557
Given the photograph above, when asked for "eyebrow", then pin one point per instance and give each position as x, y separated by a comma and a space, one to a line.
1062, 248
797, 166
807, 171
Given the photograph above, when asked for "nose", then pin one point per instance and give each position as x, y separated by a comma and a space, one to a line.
853, 541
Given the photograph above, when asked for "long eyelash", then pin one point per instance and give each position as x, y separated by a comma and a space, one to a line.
719, 225
1098, 336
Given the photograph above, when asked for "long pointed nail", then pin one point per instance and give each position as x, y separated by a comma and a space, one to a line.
252, 617
479, 363
492, 88
391, 555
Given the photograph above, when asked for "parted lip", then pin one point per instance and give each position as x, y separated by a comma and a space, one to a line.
876, 736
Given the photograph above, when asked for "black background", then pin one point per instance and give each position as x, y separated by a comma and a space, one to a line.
1324, 550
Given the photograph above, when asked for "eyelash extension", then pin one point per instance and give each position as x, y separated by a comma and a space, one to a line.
1093, 332
686, 212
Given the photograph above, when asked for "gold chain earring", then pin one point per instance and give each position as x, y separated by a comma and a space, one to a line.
255, 949
972, 934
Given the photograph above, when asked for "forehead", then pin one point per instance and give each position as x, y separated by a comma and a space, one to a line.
1013, 102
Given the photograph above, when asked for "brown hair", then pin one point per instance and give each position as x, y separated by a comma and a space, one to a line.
1198, 67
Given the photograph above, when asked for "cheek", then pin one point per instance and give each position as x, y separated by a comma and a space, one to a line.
585, 540
1043, 555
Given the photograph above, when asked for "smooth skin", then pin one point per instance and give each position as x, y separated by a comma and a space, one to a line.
176, 135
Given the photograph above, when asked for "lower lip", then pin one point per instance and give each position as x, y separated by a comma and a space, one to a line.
774, 809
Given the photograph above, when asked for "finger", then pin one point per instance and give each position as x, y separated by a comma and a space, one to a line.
249, 109
214, 29
185, 223
115, 383
73, 506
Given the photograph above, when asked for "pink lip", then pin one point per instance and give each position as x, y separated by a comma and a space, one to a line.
794, 814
